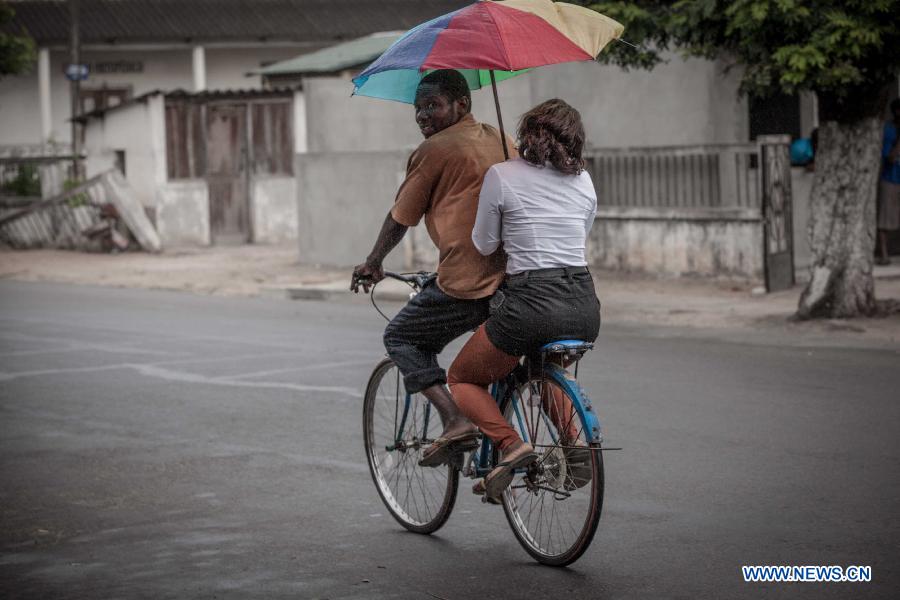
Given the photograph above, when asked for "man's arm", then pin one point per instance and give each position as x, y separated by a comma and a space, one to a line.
371, 271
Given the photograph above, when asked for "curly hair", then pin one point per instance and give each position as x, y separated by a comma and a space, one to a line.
552, 132
450, 82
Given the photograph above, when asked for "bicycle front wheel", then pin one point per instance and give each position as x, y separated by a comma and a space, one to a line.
397, 428
555, 506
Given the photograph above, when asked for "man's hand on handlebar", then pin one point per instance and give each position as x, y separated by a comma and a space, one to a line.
366, 275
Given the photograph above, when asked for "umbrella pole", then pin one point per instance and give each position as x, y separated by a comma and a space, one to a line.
499, 116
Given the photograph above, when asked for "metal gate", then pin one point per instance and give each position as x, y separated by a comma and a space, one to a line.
778, 242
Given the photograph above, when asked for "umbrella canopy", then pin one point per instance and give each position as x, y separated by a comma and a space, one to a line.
488, 38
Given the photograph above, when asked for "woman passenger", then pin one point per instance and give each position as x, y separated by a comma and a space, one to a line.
539, 208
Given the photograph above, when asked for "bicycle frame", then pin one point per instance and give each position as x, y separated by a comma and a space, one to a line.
482, 458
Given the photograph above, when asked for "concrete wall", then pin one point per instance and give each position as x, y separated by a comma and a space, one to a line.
723, 243
139, 131
226, 68
273, 209
342, 199
337, 122
182, 213
680, 102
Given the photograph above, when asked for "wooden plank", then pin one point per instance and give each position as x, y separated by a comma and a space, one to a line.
131, 211
39, 160
54, 200
198, 142
188, 140
17, 201
171, 143
226, 176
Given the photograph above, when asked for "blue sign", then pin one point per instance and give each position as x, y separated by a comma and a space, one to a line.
77, 72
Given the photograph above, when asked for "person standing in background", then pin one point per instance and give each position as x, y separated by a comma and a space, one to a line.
889, 185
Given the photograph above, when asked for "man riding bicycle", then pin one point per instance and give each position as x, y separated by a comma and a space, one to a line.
443, 180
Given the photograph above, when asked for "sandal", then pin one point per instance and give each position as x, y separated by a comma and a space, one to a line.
578, 463
502, 475
440, 451
479, 490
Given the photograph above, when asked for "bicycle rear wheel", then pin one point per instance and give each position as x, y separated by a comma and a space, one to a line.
555, 506
396, 430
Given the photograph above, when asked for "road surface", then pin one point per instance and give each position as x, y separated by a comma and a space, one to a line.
166, 445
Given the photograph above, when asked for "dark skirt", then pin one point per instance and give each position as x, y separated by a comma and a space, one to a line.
537, 307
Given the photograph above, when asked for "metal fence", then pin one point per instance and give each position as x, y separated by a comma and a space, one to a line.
57, 222
49, 164
708, 176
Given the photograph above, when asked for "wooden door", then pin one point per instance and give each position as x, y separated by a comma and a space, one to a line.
226, 173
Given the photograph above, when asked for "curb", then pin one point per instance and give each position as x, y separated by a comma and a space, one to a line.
386, 290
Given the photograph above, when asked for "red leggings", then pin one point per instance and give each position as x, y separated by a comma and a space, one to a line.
479, 364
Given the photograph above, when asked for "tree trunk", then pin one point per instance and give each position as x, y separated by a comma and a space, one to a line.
842, 221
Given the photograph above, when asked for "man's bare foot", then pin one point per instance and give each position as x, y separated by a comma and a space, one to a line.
460, 435
458, 426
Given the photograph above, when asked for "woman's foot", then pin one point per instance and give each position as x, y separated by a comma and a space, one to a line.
578, 464
516, 457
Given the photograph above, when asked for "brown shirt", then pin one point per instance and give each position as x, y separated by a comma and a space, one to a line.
443, 179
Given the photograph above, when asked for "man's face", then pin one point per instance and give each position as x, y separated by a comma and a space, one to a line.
434, 112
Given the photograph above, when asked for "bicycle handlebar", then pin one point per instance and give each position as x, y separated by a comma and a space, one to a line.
417, 280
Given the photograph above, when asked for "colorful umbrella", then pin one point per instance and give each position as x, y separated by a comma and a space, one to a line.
488, 42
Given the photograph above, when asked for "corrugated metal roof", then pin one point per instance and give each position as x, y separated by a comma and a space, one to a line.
335, 58
204, 96
197, 21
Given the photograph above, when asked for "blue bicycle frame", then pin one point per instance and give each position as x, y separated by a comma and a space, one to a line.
482, 458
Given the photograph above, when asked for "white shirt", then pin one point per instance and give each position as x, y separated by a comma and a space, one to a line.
541, 215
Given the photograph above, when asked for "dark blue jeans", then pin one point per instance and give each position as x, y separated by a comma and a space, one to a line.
424, 327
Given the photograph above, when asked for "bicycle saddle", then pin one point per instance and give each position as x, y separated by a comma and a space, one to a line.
566, 347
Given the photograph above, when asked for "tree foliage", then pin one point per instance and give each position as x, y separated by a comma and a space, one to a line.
844, 50
17, 50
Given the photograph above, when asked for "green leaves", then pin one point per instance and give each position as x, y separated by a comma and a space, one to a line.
827, 46
17, 52
645, 28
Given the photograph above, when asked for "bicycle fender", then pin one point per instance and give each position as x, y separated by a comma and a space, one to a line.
580, 400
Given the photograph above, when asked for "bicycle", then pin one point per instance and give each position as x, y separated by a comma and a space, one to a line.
553, 506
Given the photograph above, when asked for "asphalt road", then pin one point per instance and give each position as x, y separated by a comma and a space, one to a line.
165, 445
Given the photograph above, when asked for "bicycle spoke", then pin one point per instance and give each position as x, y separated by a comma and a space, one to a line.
398, 429
551, 506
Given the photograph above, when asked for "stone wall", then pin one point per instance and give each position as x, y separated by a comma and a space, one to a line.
679, 242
